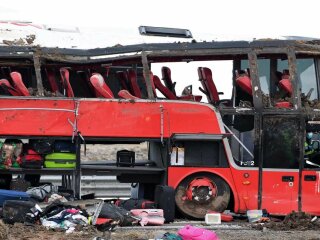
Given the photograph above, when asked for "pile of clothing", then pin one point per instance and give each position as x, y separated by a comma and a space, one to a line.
63, 216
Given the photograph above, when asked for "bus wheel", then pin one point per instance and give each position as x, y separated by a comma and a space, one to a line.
197, 195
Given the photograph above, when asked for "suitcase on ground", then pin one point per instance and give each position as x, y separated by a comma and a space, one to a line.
165, 199
60, 160
61, 146
125, 158
149, 216
12, 195
19, 211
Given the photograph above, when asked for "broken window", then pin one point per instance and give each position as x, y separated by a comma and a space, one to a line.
280, 142
307, 79
185, 74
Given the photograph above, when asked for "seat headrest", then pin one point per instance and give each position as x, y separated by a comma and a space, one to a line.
99, 79
285, 84
166, 72
243, 81
18, 83
206, 72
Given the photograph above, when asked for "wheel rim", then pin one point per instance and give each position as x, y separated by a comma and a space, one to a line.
201, 190
198, 195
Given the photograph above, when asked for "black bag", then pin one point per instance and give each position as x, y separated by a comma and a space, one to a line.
116, 213
19, 211
165, 199
31, 158
61, 146
42, 146
135, 204
125, 158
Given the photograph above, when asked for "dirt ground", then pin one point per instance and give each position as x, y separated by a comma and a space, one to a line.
232, 231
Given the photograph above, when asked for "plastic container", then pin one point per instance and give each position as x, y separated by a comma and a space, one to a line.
12, 195
254, 215
213, 218
60, 160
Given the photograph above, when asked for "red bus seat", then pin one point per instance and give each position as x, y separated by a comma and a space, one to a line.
123, 78
8, 89
283, 104
244, 82
135, 89
65, 79
285, 84
100, 87
18, 84
166, 77
126, 95
209, 88
163, 89
52, 79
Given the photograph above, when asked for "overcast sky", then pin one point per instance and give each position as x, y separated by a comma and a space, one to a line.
237, 18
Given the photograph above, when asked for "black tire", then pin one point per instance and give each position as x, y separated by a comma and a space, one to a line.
198, 210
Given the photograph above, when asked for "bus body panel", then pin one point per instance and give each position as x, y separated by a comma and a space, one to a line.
105, 118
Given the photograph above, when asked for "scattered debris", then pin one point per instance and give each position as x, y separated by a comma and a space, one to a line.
30, 38
15, 42
294, 221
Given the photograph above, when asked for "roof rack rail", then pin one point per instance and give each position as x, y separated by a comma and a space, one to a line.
165, 32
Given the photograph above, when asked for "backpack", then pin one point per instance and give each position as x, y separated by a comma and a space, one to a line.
10, 152
189, 232
31, 158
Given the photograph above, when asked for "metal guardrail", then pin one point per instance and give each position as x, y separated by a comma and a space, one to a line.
102, 186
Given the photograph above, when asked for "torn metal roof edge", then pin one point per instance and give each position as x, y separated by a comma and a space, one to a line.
25, 51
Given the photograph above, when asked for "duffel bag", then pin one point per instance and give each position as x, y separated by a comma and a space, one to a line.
30, 158
133, 203
116, 213
61, 146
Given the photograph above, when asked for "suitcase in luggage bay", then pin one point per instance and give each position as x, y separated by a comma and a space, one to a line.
125, 158
60, 160
165, 199
18, 211
31, 159
12, 195
61, 146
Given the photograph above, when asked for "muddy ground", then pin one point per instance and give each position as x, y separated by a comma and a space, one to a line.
229, 231
296, 226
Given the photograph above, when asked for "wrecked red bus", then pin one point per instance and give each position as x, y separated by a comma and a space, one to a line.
240, 151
